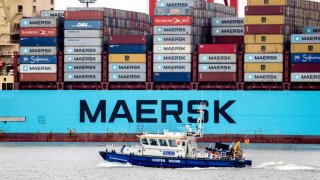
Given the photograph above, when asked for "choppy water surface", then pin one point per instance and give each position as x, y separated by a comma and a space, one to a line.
82, 161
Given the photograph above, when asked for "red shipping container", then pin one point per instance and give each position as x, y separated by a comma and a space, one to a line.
128, 39
83, 15
217, 48
305, 68
264, 29
38, 77
172, 20
228, 39
38, 32
264, 10
218, 77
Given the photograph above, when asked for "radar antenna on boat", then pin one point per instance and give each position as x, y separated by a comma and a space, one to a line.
199, 129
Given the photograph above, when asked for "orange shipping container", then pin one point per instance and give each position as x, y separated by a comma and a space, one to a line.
264, 48
263, 67
260, 20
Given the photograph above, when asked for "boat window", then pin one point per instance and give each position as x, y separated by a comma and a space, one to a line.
144, 141
153, 142
183, 143
172, 143
163, 142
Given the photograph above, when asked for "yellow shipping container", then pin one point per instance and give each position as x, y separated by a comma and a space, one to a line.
127, 58
305, 48
266, 2
258, 20
264, 39
264, 48
263, 67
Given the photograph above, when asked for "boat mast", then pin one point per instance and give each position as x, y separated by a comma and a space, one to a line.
199, 130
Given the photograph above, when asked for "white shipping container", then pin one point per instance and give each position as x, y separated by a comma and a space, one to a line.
175, 49
83, 33
217, 68
217, 58
52, 13
82, 77
263, 77
171, 30
40, 51
172, 58
263, 58
305, 38
83, 50
171, 67
172, 39
38, 68
80, 42
127, 77
227, 31
305, 77
127, 67
39, 22
227, 22
82, 58
82, 67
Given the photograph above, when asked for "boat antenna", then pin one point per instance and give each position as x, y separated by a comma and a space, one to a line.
87, 2
199, 131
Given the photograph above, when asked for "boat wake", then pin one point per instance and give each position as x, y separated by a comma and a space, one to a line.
286, 167
113, 164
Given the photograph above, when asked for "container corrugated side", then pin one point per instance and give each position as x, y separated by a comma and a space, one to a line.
38, 59
217, 48
263, 67
172, 39
38, 32
305, 38
127, 67
175, 49
305, 48
82, 77
82, 58
227, 39
217, 68
217, 77
173, 11
227, 22
83, 15
82, 67
263, 58
170, 30
52, 13
305, 77
311, 30
128, 39
263, 77
267, 2
172, 77
260, 20
83, 33
83, 50
172, 21
264, 48
217, 58
38, 41
171, 67
38, 68
127, 77
83, 25
130, 49
80, 42
264, 39
41, 77
227, 31
127, 58
265, 10
176, 3
38, 51
264, 29
172, 58
305, 58
305, 68
39, 22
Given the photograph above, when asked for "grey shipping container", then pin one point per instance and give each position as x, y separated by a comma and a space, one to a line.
305, 38
127, 77
172, 39
127, 67
217, 58
175, 49
217, 68
305, 77
227, 31
39, 22
227, 22
171, 67
38, 68
80, 42
172, 58
82, 67
173, 11
263, 58
263, 77
41, 51
52, 13
82, 77
83, 50
83, 33
179, 30
82, 58
180, 3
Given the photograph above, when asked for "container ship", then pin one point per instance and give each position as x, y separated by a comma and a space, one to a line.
102, 74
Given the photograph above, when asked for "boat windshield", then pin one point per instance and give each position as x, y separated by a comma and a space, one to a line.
153, 142
144, 141
163, 142
172, 143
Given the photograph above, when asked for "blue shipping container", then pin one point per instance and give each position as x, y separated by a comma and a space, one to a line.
38, 60
128, 49
38, 41
83, 25
172, 77
305, 58
311, 30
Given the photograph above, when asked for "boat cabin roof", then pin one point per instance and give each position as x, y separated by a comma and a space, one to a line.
165, 135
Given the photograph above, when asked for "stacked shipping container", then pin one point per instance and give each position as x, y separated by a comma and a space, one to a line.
83, 46
264, 39
38, 49
127, 58
227, 30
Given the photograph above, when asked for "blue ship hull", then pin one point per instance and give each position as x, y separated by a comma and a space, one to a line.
168, 162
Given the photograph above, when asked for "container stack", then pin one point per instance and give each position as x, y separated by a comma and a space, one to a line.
264, 41
127, 58
217, 62
227, 30
83, 46
38, 49
305, 57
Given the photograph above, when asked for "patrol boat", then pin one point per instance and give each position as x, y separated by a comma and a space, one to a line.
177, 150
